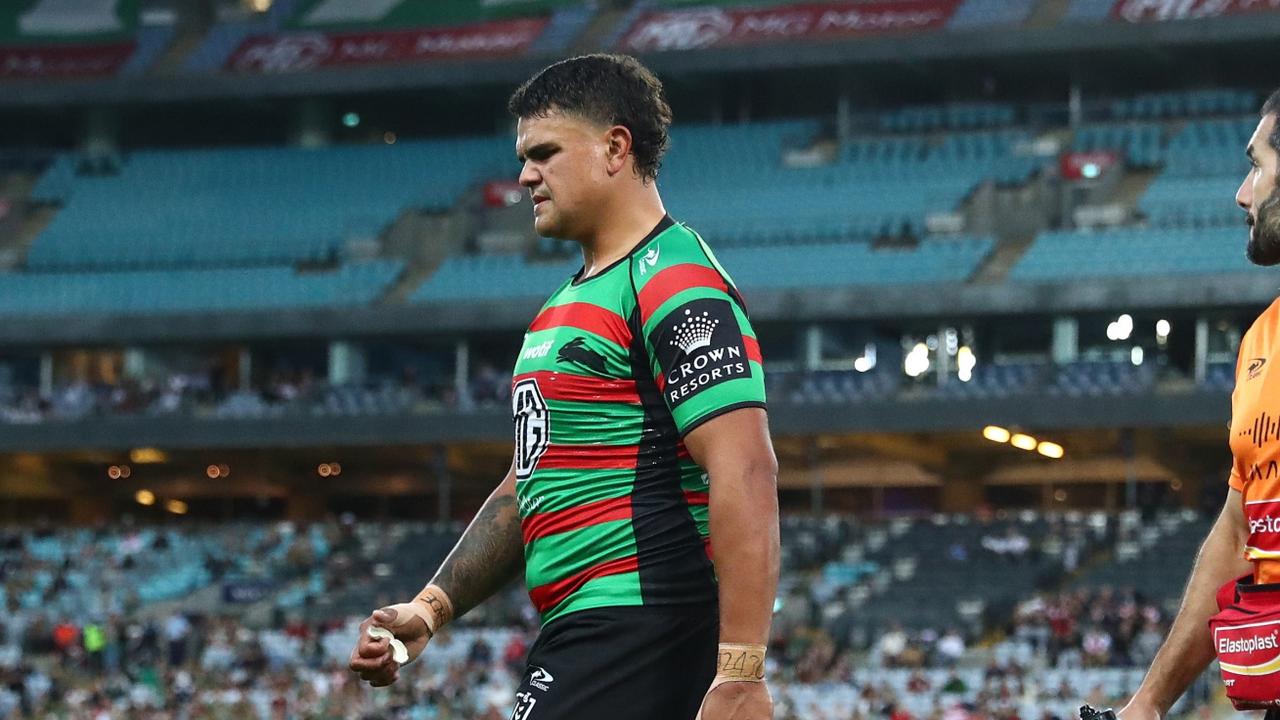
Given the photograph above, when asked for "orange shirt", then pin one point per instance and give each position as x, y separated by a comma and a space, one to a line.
1255, 441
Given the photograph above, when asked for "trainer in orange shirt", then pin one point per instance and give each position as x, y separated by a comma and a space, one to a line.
1246, 537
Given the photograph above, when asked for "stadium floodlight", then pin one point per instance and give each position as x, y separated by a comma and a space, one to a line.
1050, 450
965, 362
995, 433
916, 363
1023, 442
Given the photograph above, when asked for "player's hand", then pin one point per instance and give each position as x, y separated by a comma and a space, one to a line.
1138, 710
372, 659
737, 701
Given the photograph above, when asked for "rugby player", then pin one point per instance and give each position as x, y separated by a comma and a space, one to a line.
642, 448
1245, 541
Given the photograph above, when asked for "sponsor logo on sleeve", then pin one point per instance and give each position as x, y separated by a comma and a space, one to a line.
699, 346
1255, 367
1264, 528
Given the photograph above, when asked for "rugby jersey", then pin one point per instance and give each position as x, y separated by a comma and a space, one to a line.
615, 369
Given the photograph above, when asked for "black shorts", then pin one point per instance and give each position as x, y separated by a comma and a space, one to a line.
621, 663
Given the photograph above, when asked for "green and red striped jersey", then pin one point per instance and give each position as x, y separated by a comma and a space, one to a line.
614, 371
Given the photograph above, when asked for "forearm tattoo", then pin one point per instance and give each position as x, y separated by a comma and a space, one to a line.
489, 555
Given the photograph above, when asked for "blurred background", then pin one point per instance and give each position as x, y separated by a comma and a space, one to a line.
264, 269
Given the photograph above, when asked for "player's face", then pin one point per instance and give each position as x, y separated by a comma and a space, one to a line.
1260, 196
565, 169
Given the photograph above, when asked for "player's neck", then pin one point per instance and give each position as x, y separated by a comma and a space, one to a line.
624, 226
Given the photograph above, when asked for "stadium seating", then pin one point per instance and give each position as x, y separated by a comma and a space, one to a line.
824, 265
251, 206
1141, 142
1063, 255
172, 291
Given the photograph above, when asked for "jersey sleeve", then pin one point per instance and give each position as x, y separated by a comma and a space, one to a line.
700, 344
1236, 479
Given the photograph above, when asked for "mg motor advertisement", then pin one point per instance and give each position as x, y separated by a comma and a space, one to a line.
309, 50
724, 27
1161, 10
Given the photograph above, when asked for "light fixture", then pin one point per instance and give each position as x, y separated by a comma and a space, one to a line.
1163, 328
1137, 355
995, 433
1050, 450
145, 497
1023, 442
177, 507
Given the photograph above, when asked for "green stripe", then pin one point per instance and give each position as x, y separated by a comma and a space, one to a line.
618, 590
714, 398
550, 490
558, 556
595, 423
702, 518
612, 291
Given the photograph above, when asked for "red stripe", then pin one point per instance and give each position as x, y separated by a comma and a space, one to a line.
693, 497
706, 545
563, 386
546, 597
674, 279
589, 457
585, 316
753, 349
682, 452
575, 518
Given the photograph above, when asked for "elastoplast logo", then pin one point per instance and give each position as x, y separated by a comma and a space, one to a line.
1270, 641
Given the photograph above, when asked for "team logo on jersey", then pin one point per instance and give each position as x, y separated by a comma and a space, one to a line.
699, 345
541, 679
1255, 367
650, 259
576, 352
524, 706
533, 426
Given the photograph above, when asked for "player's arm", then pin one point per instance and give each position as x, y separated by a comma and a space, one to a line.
1189, 648
737, 454
488, 556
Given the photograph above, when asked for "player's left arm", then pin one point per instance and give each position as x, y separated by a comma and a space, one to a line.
737, 454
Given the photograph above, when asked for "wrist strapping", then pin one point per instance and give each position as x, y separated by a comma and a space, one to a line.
737, 662
432, 604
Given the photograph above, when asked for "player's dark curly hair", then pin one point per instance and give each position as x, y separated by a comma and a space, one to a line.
607, 89
1272, 107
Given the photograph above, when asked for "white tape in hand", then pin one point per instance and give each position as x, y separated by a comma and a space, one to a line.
399, 652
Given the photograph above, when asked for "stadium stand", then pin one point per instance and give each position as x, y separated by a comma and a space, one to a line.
267, 606
249, 206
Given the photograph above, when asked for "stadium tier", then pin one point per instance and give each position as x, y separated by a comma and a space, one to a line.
858, 614
249, 206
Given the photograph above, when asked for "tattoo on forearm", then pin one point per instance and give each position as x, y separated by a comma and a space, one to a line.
487, 557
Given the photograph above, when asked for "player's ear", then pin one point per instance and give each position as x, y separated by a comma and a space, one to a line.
617, 148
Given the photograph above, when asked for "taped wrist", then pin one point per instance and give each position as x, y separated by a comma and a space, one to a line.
740, 663
436, 608
432, 604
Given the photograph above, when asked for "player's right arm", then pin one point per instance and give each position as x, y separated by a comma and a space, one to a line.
1189, 648
488, 556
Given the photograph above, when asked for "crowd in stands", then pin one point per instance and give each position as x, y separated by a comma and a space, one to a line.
90, 631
